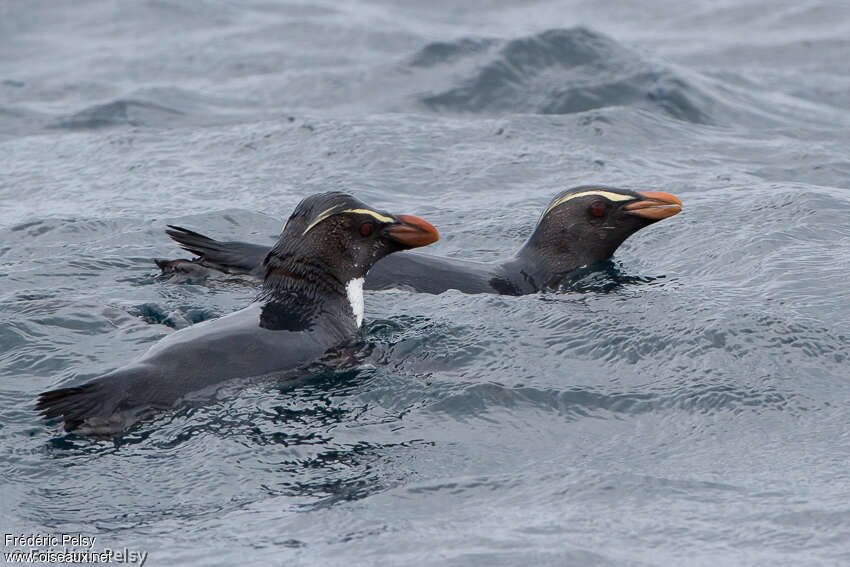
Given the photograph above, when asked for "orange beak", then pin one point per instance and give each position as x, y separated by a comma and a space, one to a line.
412, 231
656, 205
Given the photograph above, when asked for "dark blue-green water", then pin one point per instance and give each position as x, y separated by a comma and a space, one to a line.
694, 412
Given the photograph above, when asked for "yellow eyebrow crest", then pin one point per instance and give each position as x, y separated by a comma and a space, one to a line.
332, 211
373, 214
607, 194
324, 214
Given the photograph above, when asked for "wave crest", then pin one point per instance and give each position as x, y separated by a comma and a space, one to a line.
560, 71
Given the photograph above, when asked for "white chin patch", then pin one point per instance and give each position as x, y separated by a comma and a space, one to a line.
354, 290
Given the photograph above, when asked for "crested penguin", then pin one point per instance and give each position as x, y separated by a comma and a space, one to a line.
311, 302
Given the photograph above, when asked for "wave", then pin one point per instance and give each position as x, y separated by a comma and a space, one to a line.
154, 107
119, 113
482, 399
560, 71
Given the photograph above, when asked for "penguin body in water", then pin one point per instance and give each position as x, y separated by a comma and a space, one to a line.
311, 302
580, 227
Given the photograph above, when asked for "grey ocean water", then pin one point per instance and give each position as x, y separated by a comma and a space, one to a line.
691, 407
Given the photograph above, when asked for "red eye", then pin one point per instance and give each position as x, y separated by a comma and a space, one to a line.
598, 209
366, 229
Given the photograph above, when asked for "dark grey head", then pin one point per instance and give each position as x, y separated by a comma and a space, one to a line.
333, 238
585, 225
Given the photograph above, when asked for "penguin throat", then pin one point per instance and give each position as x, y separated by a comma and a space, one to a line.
542, 267
354, 291
297, 291
289, 274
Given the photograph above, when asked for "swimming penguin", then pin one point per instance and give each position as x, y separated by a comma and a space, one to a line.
580, 227
311, 302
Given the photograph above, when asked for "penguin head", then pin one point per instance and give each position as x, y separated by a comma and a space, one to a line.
585, 225
343, 236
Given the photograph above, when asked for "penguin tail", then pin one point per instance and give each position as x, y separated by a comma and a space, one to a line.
72, 405
194, 242
228, 257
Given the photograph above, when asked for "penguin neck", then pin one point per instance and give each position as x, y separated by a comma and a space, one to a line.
298, 292
539, 268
